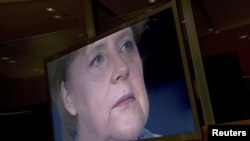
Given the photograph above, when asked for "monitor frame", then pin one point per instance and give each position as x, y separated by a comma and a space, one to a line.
197, 134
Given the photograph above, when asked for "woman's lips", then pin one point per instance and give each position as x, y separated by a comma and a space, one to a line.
124, 101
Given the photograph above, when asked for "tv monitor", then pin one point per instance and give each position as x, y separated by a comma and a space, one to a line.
131, 82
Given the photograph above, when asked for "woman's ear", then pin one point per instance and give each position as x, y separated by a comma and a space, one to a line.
68, 100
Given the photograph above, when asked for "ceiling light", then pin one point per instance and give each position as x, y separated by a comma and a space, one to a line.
50, 9
151, 1
58, 17
5, 58
243, 36
211, 29
12, 61
217, 31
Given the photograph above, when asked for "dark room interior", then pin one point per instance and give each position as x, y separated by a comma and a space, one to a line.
33, 30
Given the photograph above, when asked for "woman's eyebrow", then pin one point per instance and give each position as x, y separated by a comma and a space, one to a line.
124, 34
99, 44
93, 47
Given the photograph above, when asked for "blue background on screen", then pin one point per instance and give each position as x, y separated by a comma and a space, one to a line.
57, 124
170, 110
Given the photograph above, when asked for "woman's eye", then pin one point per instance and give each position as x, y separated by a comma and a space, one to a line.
127, 46
97, 60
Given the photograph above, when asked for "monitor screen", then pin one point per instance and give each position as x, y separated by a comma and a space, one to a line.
129, 83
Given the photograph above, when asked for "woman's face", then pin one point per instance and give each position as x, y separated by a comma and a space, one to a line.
106, 86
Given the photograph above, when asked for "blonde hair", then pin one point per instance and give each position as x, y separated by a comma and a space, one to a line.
58, 74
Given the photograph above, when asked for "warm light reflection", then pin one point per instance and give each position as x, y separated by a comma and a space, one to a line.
243, 36
151, 1
5, 58
211, 29
50, 9
217, 31
12, 61
58, 17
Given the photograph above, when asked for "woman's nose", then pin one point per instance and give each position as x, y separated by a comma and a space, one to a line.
120, 69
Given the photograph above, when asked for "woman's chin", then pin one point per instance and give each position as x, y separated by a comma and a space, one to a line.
128, 125
128, 133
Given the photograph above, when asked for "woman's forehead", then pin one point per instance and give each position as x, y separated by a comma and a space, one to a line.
115, 36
